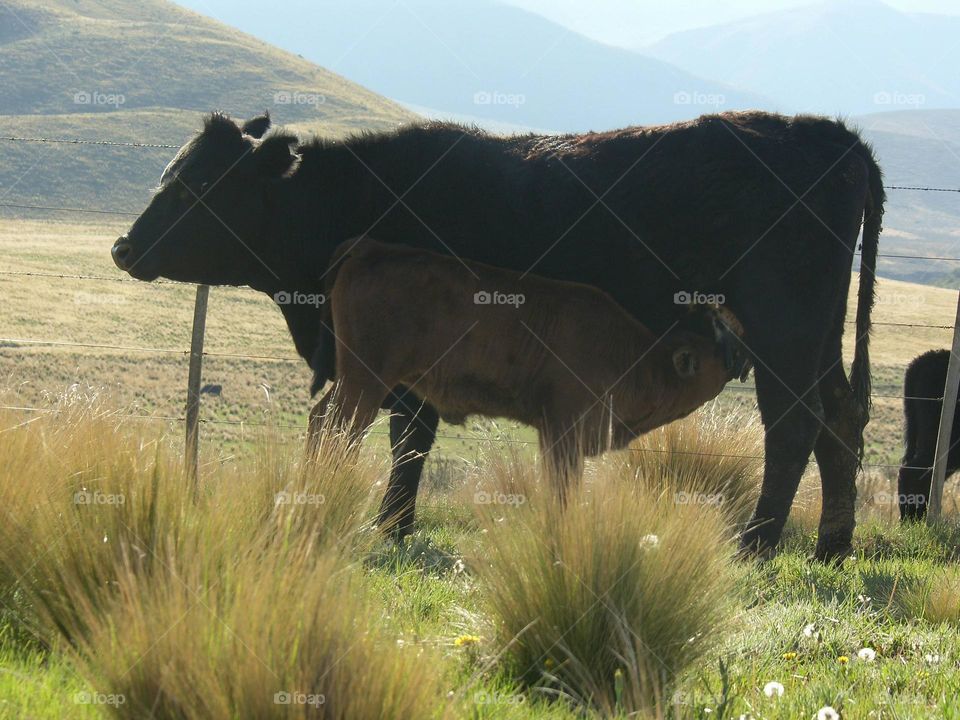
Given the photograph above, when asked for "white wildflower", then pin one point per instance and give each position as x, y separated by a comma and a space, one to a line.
773, 688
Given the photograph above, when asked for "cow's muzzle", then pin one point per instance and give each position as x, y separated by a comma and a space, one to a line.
122, 253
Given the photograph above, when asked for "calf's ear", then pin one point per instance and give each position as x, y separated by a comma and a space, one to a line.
258, 126
275, 156
685, 362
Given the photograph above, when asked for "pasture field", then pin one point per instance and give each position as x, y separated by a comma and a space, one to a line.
272, 386
270, 596
630, 606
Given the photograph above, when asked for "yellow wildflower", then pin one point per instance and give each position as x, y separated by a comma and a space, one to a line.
466, 640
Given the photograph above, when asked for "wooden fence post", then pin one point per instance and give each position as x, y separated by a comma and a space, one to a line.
191, 452
935, 501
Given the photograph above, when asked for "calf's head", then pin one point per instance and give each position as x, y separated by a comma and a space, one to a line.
701, 364
207, 221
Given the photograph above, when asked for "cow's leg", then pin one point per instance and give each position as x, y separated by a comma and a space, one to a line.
792, 414
413, 427
837, 453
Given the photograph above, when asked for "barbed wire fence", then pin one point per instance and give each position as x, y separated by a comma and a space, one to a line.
192, 418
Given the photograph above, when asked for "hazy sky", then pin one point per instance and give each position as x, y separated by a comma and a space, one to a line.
633, 23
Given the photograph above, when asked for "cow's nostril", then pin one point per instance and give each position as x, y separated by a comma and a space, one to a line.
122, 254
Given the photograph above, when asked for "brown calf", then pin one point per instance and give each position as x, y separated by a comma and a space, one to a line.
473, 339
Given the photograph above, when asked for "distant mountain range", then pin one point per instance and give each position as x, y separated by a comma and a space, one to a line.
482, 59
838, 56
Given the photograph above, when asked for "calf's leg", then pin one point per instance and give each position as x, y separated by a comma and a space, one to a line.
351, 405
413, 428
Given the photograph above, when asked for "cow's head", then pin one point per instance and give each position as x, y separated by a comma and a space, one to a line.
207, 221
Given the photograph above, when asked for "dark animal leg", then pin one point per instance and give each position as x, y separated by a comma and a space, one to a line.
913, 486
916, 473
837, 453
348, 407
413, 428
791, 431
561, 453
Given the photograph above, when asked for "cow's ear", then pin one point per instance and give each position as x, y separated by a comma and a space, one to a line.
685, 362
276, 155
258, 126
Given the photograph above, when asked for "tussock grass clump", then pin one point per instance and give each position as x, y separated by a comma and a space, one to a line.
935, 599
277, 635
711, 457
610, 599
88, 497
237, 601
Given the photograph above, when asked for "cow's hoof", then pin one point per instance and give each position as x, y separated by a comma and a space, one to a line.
833, 549
755, 550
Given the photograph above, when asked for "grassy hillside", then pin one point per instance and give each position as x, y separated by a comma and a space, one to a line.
143, 72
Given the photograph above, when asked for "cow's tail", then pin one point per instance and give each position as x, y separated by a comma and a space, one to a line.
872, 224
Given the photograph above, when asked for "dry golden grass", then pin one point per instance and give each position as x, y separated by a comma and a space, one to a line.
241, 602
935, 599
712, 457
88, 496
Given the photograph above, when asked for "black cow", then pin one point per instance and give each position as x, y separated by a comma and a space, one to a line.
762, 209
923, 386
